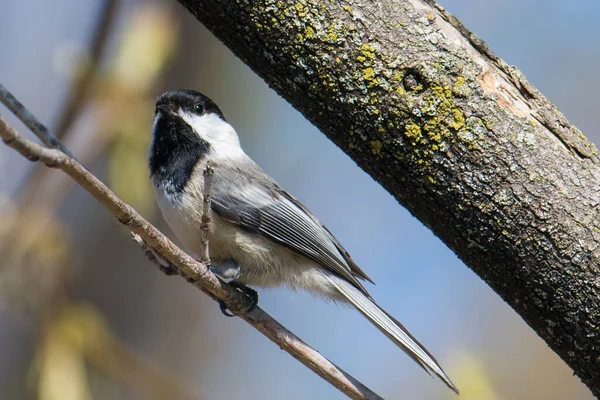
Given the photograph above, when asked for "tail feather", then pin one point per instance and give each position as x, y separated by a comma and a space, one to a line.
392, 328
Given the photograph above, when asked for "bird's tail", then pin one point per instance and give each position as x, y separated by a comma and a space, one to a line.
391, 328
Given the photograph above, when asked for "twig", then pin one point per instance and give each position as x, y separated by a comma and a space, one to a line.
196, 273
205, 224
31, 122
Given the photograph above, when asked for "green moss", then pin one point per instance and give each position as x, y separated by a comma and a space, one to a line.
376, 147
354, 147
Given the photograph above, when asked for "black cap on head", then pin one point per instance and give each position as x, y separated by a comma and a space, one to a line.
189, 101
176, 148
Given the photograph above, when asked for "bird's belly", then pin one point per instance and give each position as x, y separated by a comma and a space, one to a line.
264, 263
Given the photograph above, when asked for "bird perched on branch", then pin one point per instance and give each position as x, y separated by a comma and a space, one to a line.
260, 235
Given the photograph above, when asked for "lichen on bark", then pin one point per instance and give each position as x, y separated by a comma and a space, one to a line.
460, 138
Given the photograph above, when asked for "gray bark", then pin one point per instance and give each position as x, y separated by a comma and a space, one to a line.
460, 138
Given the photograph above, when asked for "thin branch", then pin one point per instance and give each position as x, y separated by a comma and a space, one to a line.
195, 272
31, 122
205, 224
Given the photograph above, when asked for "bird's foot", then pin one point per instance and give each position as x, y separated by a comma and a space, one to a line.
249, 292
163, 264
227, 271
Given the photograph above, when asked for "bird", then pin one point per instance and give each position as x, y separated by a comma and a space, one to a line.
260, 235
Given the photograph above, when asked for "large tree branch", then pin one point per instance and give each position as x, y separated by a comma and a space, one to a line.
195, 272
460, 138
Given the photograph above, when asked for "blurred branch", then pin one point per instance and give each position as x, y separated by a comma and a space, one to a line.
76, 101
195, 272
85, 78
456, 135
76, 334
106, 96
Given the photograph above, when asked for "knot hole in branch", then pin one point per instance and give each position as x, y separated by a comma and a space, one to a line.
413, 81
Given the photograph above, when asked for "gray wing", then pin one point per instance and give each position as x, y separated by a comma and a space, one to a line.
252, 200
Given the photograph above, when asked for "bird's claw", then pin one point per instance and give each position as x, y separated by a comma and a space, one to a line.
249, 292
224, 309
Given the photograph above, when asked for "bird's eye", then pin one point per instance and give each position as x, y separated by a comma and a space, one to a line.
199, 109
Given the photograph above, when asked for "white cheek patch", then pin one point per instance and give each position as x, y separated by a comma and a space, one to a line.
218, 133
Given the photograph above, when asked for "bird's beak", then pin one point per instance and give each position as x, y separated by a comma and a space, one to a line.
166, 108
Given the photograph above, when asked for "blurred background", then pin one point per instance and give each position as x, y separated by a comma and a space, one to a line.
84, 315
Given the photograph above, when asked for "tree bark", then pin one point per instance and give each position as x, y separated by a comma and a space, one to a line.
460, 138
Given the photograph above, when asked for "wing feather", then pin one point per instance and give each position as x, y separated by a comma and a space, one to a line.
261, 206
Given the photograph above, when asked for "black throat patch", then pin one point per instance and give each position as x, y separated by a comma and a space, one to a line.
175, 151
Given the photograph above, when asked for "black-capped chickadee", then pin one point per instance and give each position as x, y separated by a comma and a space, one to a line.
260, 234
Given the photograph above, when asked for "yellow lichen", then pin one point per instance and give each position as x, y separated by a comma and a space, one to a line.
368, 73
332, 35
367, 50
376, 147
301, 10
309, 32
413, 131
458, 119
